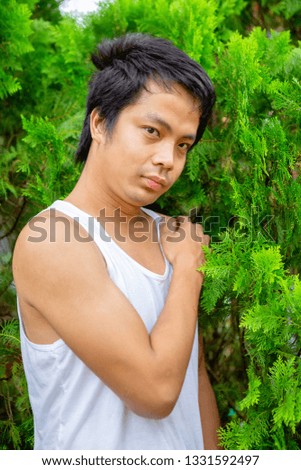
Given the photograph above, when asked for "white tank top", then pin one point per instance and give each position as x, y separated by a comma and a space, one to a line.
72, 407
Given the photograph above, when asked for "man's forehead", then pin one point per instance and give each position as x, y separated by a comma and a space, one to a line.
153, 87
158, 89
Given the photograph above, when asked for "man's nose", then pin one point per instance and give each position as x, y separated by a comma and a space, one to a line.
164, 156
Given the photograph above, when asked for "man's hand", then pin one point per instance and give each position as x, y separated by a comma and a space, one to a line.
182, 242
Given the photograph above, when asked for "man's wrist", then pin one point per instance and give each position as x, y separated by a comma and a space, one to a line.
185, 264
188, 270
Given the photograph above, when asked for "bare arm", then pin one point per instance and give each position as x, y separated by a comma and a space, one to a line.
207, 403
104, 329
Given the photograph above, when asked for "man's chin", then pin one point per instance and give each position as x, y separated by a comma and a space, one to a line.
144, 200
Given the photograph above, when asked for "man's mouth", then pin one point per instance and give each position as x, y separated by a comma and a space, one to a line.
155, 182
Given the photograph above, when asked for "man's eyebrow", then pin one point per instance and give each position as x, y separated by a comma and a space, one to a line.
156, 119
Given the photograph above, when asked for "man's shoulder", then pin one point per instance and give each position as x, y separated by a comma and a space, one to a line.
50, 239
37, 233
51, 229
43, 264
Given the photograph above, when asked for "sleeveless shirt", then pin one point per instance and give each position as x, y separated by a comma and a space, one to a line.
72, 407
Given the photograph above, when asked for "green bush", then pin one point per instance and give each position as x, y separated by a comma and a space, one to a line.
242, 182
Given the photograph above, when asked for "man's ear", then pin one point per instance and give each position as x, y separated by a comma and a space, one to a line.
97, 126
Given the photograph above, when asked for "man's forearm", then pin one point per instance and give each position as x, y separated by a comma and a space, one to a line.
172, 336
209, 411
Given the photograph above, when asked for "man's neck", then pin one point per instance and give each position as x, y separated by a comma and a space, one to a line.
89, 196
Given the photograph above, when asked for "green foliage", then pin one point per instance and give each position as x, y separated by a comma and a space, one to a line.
194, 26
288, 8
48, 10
252, 268
15, 30
16, 426
242, 182
250, 277
58, 175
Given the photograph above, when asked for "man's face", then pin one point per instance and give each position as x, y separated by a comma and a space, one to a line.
146, 152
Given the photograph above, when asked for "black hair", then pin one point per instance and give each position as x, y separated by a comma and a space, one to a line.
125, 65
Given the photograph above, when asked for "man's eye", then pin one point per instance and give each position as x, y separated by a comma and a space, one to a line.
152, 131
184, 146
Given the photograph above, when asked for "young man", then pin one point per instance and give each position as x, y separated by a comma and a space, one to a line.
109, 296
